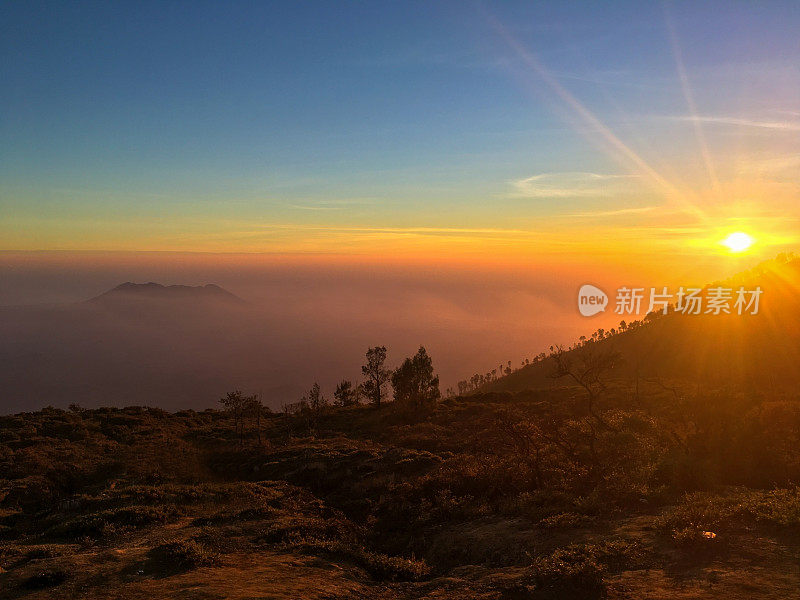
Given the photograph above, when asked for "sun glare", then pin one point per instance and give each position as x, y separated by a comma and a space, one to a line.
738, 242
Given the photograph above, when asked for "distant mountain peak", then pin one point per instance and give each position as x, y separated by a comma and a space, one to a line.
156, 291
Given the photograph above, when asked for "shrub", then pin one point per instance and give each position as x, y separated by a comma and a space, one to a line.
302, 527
380, 566
560, 576
47, 551
392, 568
737, 508
181, 556
7, 533
46, 579
29, 493
108, 522
695, 541
566, 520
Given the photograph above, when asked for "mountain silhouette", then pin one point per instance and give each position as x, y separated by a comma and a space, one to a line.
129, 291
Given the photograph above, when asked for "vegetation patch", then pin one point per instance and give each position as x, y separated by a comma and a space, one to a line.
46, 579
113, 521
560, 576
723, 513
380, 566
181, 556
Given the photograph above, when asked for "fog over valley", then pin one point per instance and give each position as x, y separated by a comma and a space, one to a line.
65, 339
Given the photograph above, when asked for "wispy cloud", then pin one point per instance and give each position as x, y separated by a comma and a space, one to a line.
613, 213
403, 230
315, 207
336, 204
569, 185
740, 122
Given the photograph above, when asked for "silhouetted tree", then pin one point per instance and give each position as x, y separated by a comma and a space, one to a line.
310, 407
377, 375
589, 368
346, 394
254, 407
414, 381
316, 401
236, 404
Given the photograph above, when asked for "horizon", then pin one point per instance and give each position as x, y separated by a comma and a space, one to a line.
282, 336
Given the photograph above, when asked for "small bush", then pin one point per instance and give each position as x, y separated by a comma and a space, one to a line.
38, 552
29, 493
181, 556
695, 541
308, 527
380, 566
109, 522
566, 520
737, 508
6, 532
560, 576
392, 568
46, 579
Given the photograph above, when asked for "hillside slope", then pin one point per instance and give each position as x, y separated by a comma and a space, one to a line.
754, 351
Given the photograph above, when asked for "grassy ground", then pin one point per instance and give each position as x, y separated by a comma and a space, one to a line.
369, 503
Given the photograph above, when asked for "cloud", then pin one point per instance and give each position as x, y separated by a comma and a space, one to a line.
315, 207
775, 166
570, 185
739, 122
339, 204
614, 213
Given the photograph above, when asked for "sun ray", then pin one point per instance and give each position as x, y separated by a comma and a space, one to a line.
661, 184
689, 96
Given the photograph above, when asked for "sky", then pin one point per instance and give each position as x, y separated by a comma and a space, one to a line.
510, 133
445, 174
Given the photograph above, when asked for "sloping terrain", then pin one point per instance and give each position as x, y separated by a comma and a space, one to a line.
758, 351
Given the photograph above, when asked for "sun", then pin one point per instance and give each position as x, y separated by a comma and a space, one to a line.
738, 242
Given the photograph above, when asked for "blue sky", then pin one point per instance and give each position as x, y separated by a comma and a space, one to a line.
166, 125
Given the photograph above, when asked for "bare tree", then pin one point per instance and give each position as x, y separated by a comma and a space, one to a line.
589, 367
237, 405
254, 407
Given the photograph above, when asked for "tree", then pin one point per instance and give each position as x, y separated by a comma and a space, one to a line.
254, 408
310, 407
589, 368
315, 398
346, 394
237, 404
377, 375
414, 382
